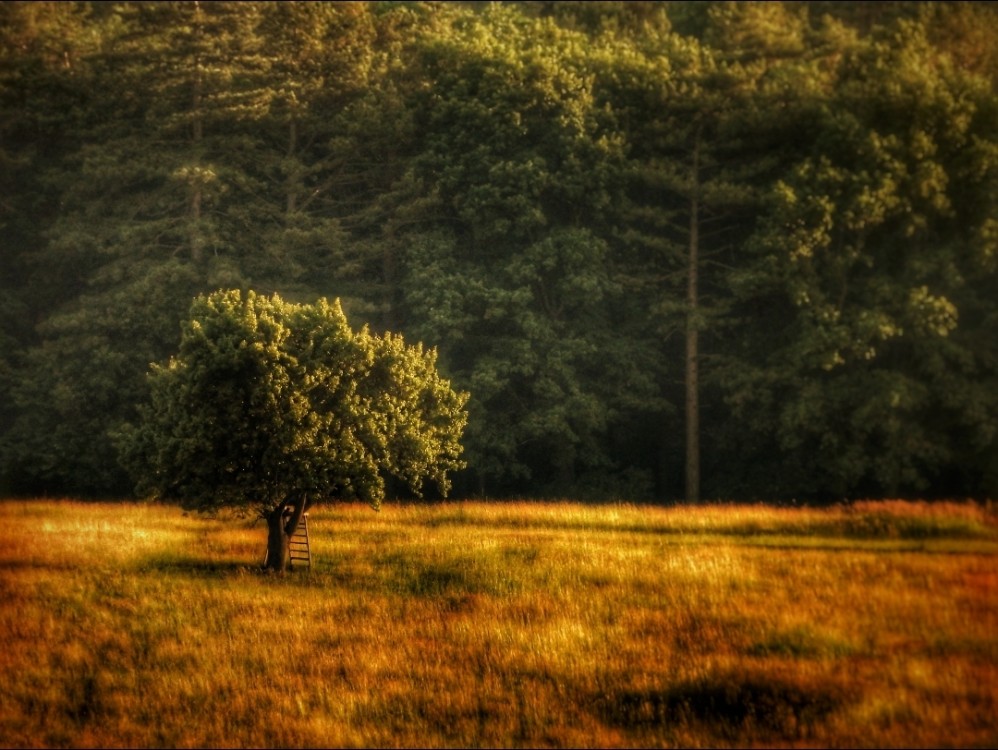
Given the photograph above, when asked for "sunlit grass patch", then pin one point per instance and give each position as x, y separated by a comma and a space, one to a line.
803, 642
475, 624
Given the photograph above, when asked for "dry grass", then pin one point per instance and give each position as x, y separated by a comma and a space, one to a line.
502, 625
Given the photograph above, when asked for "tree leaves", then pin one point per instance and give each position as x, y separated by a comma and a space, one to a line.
520, 185
267, 400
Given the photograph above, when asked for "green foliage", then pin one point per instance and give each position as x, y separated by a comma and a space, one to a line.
515, 281
530, 188
267, 400
873, 243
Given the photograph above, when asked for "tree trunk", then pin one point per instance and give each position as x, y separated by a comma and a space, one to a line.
197, 136
692, 338
292, 178
278, 541
282, 522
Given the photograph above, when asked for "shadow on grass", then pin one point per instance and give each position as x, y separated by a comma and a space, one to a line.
729, 708
172, 564
32, 564
460, 576
193, 565
323, 573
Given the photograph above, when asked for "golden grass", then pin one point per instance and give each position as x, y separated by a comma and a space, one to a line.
472, 624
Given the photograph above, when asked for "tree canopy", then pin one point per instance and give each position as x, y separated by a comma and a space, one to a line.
672, 249
270, 404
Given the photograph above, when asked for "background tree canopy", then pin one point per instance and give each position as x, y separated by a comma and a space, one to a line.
751, 244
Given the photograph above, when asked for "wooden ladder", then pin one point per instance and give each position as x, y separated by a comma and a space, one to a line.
299, 544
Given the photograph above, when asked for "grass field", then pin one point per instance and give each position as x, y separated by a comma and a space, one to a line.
473, 624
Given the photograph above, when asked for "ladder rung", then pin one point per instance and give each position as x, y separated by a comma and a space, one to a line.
298, 547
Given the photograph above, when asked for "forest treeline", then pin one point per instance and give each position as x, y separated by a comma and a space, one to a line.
672, 250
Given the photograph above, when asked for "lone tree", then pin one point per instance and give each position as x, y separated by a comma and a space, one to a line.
270, 406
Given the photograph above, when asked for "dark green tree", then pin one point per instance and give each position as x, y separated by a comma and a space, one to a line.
699, 153
46, 78
270, 407
877, 255
322, 58
505, 265
777, 217
149, 214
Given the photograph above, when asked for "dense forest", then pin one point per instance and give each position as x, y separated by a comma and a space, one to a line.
673, 250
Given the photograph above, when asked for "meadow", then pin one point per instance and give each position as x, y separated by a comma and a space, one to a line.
488, 624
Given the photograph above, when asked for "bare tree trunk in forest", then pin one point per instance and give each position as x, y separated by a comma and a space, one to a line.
292, 183
692, 338
196, 186
197, 252
389, 269
197, 136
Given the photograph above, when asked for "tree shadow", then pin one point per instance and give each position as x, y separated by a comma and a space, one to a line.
193, 565
730, 708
